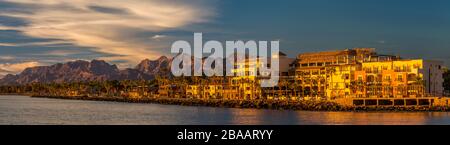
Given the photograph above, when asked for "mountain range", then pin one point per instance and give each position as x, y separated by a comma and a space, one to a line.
99, 70
95, 70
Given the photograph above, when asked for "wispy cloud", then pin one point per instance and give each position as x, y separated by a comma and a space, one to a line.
48, 43
108, 26
14, 68
158, 37
382, 42
60, 53
7, 57
3, 27
7, 44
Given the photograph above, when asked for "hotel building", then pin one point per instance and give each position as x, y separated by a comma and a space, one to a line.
350, 73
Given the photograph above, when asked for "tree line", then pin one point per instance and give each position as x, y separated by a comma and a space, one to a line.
96, 88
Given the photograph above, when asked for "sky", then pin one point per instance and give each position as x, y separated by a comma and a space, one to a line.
45, 32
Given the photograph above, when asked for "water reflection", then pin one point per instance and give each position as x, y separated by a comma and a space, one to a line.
26, 110
359, 118
246, 116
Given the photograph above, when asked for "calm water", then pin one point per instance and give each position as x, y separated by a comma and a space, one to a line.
26, 110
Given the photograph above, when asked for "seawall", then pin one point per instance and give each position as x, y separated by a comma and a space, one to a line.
304, 105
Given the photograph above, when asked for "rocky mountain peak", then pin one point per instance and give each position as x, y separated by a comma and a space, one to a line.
95, 70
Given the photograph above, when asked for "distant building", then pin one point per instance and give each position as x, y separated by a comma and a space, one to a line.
350, 73
361, 72
400, 78
328, 74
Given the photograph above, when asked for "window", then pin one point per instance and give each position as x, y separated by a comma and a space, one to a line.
409, 68
387, 78
315, 72
375, 69
344, 68
347, 76
400, 78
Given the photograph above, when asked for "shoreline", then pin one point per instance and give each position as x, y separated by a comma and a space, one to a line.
326, 106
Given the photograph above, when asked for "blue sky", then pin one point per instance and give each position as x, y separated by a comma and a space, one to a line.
45, 32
